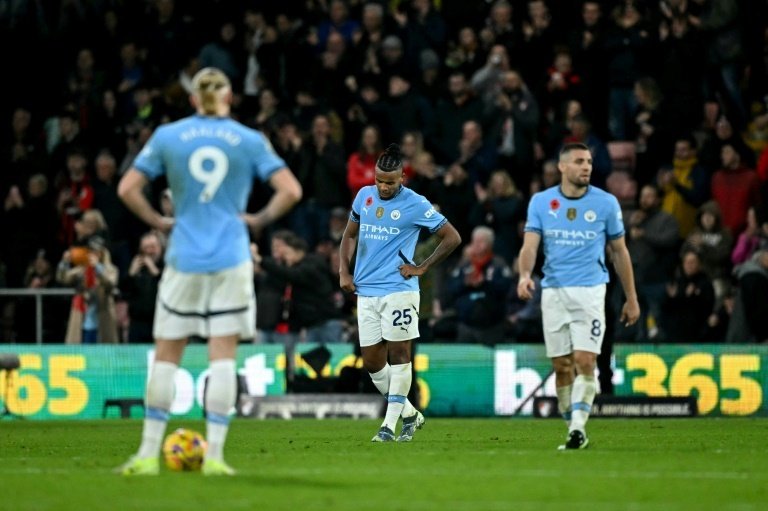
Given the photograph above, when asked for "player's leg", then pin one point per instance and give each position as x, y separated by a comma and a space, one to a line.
220, 398
584, 389
557, 339
159, 396
400, 325
178, 314
587, 333
564, 376
373, 348
232, 313
400, 382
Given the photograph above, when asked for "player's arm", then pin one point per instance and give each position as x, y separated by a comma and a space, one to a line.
449, 240
623, 264
526, 261
287, 193
131, 192
346, 252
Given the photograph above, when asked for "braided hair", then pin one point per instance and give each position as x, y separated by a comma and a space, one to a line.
391, 159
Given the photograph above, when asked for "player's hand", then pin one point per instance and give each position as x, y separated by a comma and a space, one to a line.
630, 313
525, 288
255, 222
409, 270
165, 224
346, 283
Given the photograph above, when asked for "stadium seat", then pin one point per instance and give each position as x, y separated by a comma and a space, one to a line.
125, 405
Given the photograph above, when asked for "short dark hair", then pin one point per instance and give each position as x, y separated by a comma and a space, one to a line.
573, 146
391, 159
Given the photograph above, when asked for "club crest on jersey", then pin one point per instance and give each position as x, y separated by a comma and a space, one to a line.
395, 215
571, 214
379, 212
590, 216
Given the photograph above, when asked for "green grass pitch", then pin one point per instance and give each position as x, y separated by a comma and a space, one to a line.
452, 464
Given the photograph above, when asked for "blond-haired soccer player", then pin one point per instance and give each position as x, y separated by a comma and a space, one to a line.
210, 162
575, 221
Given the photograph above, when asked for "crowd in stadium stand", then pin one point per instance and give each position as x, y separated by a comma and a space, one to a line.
671, 96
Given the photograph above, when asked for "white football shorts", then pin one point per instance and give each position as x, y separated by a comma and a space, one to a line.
206, 304
394, 317
573, 319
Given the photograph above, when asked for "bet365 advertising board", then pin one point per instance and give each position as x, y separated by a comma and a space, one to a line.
68, 382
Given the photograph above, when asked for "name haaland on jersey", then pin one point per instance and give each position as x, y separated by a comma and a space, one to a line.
389, 231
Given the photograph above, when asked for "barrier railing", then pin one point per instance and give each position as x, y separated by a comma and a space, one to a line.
38, 294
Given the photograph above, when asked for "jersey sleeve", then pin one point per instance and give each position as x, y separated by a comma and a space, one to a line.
354, 215
149, 161
533, 221
614, 226
425, 215
265, 160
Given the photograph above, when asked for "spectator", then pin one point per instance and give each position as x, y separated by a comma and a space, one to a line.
500, 206
75, 194
712, 243
451, 113
587, 44
652, 129
723, 133
323, 178
361, 165
514, 113
477, 289
563, 84
626, 43
225, 53
653, 241
754, 236
407, 110
475, 156
38, 275
690, 301
523, 316
719, 24
90, 271
685, 186
735, 188
311, 313
466, 56
749, 322
681, 71
30, 221
139, 287
338, 22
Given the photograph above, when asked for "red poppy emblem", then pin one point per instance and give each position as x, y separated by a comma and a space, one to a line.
554, 205
369, 201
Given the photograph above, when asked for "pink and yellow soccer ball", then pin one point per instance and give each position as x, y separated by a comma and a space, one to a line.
184, 450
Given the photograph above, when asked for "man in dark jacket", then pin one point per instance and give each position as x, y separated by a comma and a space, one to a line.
749, 322
309, 299
478, 288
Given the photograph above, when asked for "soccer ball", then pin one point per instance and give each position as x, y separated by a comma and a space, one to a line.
184, 449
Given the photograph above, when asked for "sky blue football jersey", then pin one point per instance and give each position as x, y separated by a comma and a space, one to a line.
210, 164
389, 231
574, 233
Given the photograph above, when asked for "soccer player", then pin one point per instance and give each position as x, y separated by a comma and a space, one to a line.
575, 221
206, 288
383, 229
